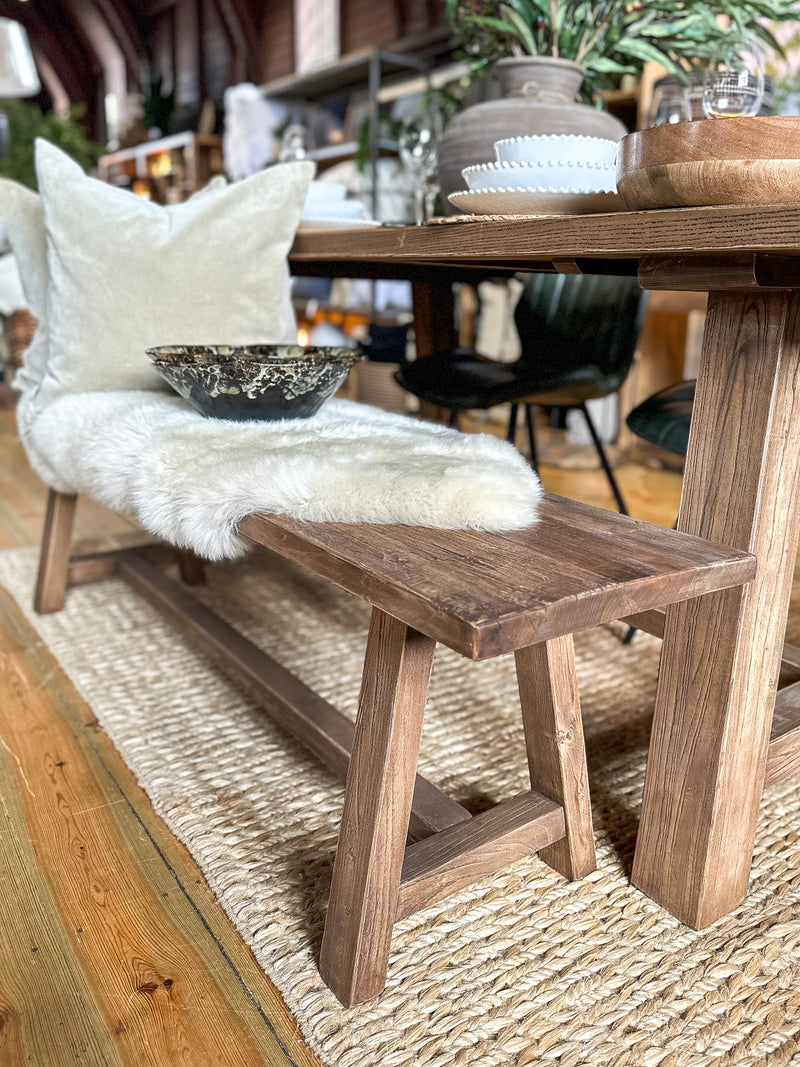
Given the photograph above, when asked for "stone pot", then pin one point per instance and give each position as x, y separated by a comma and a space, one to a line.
537, 97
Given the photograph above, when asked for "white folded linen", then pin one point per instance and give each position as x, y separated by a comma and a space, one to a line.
190, 479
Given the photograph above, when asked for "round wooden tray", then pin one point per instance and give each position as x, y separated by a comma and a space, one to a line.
716, 161
533, 202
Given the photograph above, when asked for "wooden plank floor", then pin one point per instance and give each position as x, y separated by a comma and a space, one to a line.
113, 949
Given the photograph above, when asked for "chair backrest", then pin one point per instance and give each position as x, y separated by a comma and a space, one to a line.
570, 320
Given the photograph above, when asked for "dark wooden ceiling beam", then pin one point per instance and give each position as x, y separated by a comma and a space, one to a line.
66, 47
235, 38
156, 7
252, 38
402, 16
125, 29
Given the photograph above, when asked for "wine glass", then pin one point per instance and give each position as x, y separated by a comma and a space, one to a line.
419, 151
733, 83
671, 102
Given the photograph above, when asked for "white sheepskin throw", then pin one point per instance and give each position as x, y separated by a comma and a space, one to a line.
190, 480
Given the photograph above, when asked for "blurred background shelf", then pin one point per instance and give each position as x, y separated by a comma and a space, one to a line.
169, 169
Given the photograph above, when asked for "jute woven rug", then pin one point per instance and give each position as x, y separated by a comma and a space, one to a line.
523, 968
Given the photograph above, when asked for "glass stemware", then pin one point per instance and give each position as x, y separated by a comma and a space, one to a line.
671, 102
419, 151
733, 83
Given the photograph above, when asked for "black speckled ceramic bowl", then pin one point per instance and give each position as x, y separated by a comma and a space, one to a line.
236, 387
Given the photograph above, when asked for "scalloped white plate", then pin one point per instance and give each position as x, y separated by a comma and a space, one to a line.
535, 202
567, 176
540, 148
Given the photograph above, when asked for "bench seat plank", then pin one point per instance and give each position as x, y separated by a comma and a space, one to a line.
486, 594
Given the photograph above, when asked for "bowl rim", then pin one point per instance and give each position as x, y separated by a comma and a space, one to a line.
541, 138
209, 355
236, 369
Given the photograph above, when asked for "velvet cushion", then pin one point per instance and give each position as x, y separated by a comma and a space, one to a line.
127, 274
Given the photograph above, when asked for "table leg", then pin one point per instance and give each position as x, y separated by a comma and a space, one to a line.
721, 654
434, 329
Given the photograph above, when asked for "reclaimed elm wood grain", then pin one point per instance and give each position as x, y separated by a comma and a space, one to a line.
434, 329
51, 583
721, 654
783, 755
486, 594
455, 858
377, 806
551, 716
783, 759
698, 274
528, 243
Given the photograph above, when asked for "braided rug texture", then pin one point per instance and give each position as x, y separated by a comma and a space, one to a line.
523, 968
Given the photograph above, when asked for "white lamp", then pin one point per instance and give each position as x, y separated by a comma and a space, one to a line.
18, 75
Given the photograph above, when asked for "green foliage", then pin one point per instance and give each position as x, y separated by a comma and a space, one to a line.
610, 37
26, 122
388, 128
785, 73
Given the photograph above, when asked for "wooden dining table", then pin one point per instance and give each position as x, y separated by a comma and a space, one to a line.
719, 729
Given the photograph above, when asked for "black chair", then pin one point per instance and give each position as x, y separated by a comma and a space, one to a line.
665, 417
578, 335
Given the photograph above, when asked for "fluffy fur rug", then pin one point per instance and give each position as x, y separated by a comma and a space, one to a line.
190, 480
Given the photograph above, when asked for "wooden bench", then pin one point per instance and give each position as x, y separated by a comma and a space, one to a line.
481, 594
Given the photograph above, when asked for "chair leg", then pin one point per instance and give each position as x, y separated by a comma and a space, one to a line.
51, 583
598, 444
512, 424
531, 436
551, 716
377, 807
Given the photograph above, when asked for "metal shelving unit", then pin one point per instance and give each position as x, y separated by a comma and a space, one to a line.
370, 69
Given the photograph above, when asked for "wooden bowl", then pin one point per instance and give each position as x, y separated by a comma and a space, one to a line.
713, 162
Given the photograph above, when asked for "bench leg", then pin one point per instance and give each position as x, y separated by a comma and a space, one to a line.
551, 715
191, 569
51, 584
377, 806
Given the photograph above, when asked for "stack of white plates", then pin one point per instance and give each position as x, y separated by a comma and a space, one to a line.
563, 173
326, 205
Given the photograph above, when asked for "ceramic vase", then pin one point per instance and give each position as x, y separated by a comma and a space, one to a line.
538, 96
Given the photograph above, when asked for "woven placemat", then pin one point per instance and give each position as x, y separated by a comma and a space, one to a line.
444, 220
523, 968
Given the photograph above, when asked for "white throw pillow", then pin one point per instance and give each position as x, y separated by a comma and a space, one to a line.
23, 221
127, 274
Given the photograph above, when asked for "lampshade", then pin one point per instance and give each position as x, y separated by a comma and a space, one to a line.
18, 75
